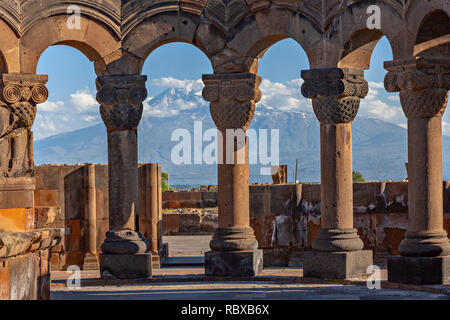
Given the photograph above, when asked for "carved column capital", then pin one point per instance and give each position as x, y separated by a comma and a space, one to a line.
121, 98
423, 89
335, 93
233, 97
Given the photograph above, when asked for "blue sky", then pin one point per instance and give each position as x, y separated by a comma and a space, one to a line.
72, 104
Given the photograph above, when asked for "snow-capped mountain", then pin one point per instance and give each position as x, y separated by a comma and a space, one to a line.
379, 148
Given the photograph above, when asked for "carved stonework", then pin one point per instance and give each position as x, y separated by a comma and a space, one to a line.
19, 96
233, 97
335, 93
423, 87
121, 99
226, 14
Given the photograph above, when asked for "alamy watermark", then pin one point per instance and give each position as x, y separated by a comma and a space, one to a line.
74, 280
374, 20
374, 280
233, 143
74, 20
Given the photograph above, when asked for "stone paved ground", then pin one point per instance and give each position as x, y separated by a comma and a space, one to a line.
177, 283
239, 291
188, 245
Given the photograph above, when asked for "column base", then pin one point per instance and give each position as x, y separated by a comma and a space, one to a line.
419, 270
233, 263
90, 262
126, 266
337, 265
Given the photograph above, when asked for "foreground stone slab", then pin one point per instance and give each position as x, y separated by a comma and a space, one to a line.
419, 270
126, 266
233, 263
337, 265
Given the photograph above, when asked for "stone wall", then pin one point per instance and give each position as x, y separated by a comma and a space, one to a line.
65, 186
189, 199
190, 221
287, 217
24, 263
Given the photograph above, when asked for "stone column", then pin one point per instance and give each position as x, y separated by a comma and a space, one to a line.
337, 250
234, 248
125, 251
425, 252
19, 96
90, 260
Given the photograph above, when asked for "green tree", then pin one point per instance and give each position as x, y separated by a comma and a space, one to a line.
164, 182
358, 177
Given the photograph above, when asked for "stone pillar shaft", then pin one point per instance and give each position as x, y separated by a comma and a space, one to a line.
336, 95
123, 179
425, 252
425, 174
125, 251
336, 169
233, 181
92, 210
90, 260
153, 171
234, 248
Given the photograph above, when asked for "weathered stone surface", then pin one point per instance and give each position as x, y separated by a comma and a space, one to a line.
277, 257
419, 270
233, 263
189, 222
337, 265
17, 243
126, 266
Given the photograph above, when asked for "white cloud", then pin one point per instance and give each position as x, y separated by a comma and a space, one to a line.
51, 106
169, 82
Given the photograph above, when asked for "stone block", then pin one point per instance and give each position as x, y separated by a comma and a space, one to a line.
233, 263
419, 270
10, 199
102, 203
44, 217
48, 177
126, 266
209, 199
311, 192
189, 222
337, 265
283, 199
45, 198
263, 227
16, 220
259, 201
366, 224
101, 176
397, 197
73, 203
210, 222
171, 224
368, 197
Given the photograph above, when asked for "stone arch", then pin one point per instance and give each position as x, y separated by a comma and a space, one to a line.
9, 49
433, 35
358, 49
356, 41
255, 36
95, 41
163, 28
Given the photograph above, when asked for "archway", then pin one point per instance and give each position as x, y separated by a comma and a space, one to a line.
283, 108
176, 116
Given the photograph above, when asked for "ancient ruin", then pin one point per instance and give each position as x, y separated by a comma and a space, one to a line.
118, 36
